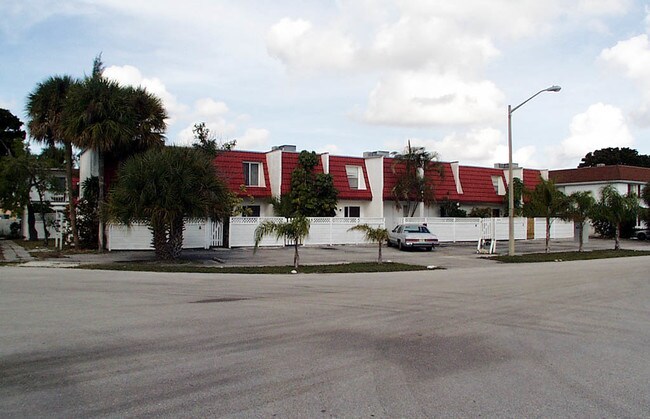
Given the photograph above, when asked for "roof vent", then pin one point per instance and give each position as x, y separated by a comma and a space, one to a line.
600, 165
505, 165
284, 147
376, 153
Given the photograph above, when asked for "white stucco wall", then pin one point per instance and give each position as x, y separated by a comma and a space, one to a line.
375, 169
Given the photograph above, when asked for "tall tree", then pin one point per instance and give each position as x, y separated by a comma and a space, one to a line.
616, 209
519, 192
548, 202
294, 230
207, 142
162, 187
580, 207
22, 173
45, 110
614, 155
413, 186
11, 132
110, 119
312, 194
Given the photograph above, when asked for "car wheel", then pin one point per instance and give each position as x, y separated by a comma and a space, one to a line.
429, 249
388, 243
641, 236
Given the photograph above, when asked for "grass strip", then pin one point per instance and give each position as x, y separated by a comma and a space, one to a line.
569, 256
306, 269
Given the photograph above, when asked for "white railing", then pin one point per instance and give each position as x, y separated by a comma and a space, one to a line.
322, 231
197, 234
559, 229
469, 229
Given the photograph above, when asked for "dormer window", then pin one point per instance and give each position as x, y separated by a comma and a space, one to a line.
355, 177
252, 171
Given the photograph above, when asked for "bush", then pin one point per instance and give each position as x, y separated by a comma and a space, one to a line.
14, 230
481, 212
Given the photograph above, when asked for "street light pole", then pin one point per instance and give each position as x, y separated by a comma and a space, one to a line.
511, 189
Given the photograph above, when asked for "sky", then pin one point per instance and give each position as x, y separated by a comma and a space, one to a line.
346, 76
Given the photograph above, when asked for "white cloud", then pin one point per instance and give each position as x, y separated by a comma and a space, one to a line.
131, 76
254, 139
479, 147
297, 44
419, 98
600, 126
210, 108
329, 148
632, 58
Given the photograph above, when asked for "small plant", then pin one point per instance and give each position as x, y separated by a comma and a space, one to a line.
373, 234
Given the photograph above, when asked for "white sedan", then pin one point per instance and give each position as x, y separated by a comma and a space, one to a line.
410, 236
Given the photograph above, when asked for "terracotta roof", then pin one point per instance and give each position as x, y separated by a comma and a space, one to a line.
230, 168
444, 183
601, 174
337, 170
531, 178
477, 185
289, 164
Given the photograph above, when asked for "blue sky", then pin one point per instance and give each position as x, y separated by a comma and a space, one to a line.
352, 76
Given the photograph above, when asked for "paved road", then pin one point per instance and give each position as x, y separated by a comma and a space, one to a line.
540, 340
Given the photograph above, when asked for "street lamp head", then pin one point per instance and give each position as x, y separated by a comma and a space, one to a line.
553, 89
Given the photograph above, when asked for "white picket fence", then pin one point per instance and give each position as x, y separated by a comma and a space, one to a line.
322, 231
327, 231
197, 234
469, 229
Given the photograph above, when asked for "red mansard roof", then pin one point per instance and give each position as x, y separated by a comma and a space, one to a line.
338, 172
230, 168
477, 184
531, 178
601, 174
289, 164
444, 183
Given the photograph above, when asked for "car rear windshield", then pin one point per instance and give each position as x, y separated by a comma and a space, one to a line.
416, 229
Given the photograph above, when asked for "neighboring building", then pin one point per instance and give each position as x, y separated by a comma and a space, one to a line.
57, 199
625, 179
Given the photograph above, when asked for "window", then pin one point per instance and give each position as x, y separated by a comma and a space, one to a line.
353, 212
353, 176
251, 174
250, 210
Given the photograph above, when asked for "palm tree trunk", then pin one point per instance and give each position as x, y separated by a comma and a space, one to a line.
31, 222
100, 203
296, 256
72, 205
176, 237
617, 237
581, 227
379, 260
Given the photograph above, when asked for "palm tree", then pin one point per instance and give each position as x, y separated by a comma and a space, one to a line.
580, 207
163, 187
373, 234
413, 184
616, 209
548, 202
294, 230
45, 110
112, 120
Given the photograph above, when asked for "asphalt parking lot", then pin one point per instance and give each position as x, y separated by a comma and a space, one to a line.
563, 339
447, 255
